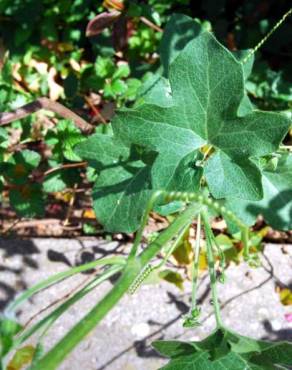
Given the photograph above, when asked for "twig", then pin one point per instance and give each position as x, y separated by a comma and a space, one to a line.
150, 24
95, 110
71, 204
26, 224
64, 166
44, 103
81, 190
72, 228
33, 223
10, 227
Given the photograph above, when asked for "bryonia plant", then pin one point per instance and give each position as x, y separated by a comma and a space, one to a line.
192, 144
196, 126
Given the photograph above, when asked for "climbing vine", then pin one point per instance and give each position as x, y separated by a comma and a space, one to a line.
194, 145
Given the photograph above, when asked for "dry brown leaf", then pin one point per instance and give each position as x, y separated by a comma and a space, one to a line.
55, 90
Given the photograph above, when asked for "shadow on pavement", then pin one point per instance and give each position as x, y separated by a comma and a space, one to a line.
11, 248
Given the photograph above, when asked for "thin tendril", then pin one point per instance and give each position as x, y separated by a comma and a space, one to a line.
211, 266
139, 234
260, 44
191, 319
195, 268
173, 246
219, 252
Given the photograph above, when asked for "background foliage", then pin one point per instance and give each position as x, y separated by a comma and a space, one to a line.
45, 51
124, 59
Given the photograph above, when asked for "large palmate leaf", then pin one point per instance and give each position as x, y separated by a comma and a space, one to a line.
178, 32
276, 205
123, 187
124, 184
225, 350
207, 85
203, 103
180, 29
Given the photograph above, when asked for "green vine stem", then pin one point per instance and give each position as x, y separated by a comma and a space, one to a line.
206, 201
139, 233
48, 320
191, 319
173, 246
221, 256
210, 203
60, 277
245, 237
195, 267
56, 355
150, 268
211, 266
147, 270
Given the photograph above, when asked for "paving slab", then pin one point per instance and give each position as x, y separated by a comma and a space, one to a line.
122, 341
